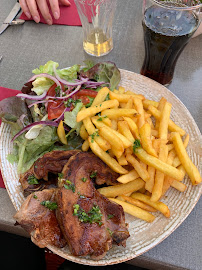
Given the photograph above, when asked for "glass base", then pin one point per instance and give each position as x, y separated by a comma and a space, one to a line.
90, 53
98, 49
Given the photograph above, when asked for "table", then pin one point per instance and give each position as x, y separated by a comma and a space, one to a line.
27, 46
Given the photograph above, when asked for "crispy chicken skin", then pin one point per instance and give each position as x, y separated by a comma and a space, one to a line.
51, 162
86, 238
39, 221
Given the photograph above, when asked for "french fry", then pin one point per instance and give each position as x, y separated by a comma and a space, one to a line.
116, 113
121, 90
114, 124
145, 135
137, 166
91, 111
83, 133
157, 144
150, 182
138, 203
139, 107
176, 161
125, 141
160, 108
101, 96
147, 103
129, 104
158, 164
125, 131
111, 162
168, 180
116, 144
159, 177
85, 146
170, 147
122, 160
190, 168
164, 120
122, 105
120, 189
147, 115
155, 133
134, 210
142, 190
104, 119
163, 208
171, 125
92, 131
178, 185
111, 153
123, 97
132, 175
116, 91
129, 151
149, 121
133, 127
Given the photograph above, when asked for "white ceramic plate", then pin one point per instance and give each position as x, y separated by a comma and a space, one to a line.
143, 236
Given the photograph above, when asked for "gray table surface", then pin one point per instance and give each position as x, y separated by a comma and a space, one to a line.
27, 46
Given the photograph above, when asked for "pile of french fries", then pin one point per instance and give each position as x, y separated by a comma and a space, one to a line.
136, 138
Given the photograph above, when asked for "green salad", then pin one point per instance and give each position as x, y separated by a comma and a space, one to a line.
43, 116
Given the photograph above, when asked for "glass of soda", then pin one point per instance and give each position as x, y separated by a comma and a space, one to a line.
168, 27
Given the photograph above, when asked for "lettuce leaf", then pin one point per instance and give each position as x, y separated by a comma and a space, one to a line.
69, 74
26, 152
42, 84
47, 68
104, 71
70, 117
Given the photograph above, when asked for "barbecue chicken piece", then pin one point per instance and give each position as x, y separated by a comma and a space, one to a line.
90, 222
37, 218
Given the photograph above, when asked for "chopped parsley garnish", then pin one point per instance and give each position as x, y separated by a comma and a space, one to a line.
69, 185
90, 102
101, 117
110, 232
50, 205
32, 180
70, 101
94, 135
60, 176
93, 175
57, 91
84, 179
34, 196
93, 216
136, 145
110, 216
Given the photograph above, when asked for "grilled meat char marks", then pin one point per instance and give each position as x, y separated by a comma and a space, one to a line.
51, 162
76, 191
39, 221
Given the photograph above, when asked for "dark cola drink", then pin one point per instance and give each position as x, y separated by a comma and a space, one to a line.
166, 33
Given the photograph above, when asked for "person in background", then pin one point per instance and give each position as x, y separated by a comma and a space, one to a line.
30, 8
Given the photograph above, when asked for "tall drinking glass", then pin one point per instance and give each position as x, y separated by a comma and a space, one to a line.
168, 26
97, 19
